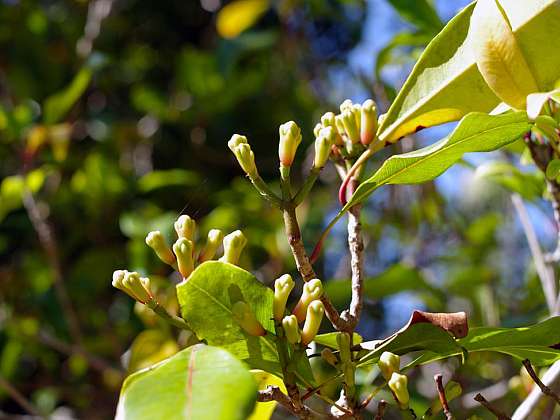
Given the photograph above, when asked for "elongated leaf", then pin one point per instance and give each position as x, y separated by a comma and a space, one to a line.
206, 299
57, 105
445, 83
418, 12
422, 336
540, 343
200, 382
476, 132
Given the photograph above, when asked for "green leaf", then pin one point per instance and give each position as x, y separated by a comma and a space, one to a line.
402, 39
553, 169
200, 382
206, 299
539, 343
445, 83
529, 185
534, 343
418, 12
57, 105
421, 336
395, 279
264, 410
329, 339
149, 348
476, 132
170, 178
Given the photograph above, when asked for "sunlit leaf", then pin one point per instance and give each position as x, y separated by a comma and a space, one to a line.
476, 132
238, 16
57, 105
264, 410
190, 385
206, 300
446, 84
420, 13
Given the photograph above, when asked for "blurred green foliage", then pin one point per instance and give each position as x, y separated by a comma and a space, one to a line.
114, 118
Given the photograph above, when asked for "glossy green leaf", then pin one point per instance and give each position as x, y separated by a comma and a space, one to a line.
200, 382
206, 299
418, 12
540, 343
446, 84
57, 105
476, 132
421, 336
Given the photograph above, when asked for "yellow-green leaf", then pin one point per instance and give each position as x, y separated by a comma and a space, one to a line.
238, 16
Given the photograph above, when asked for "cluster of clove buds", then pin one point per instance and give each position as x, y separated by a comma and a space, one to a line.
182, 256
309, 310
342, 137
390, 366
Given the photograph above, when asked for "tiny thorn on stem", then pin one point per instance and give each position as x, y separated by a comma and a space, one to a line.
545, 389
380, 410
442, 398
484, 402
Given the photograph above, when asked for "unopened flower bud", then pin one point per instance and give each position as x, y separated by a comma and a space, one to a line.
312, 290
156, 241
350, 126
315, 312
185, 227
290, 138
357, 111
329, 357
389, 363
243, 153
399, 385
233, 245
368, 124
133, 285
323, 146
282, 288
183, 249
246, 319
317, 129
291, 329
346, 106
215, 237
327, 120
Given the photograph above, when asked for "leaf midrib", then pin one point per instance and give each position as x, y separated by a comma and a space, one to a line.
440, 150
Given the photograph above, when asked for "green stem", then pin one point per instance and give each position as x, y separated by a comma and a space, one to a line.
285, 183
171, 319
306, 187
264, 189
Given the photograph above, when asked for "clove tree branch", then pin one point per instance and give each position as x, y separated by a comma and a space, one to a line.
19, 398
545, 389
484, 402
442, 398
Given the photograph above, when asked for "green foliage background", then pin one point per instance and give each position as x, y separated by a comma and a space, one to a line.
119, 139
